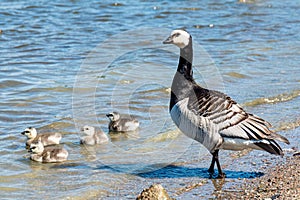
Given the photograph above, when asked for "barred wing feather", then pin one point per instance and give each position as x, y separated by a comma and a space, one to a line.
232, 121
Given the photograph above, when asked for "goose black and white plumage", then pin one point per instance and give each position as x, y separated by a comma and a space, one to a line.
211, 117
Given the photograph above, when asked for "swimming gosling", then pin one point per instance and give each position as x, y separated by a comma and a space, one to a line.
49, 154
92, 136
118, 124
46, 138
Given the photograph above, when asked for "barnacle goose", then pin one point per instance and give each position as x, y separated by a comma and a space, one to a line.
121, 124
211, 117
48, 154
92, 136
46, 138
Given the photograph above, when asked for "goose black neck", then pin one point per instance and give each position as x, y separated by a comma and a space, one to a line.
186, 61
183, 80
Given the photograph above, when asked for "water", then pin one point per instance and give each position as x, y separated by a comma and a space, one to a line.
64, 64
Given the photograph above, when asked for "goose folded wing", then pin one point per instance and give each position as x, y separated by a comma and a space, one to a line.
229, 118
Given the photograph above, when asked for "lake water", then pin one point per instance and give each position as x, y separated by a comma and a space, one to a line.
65, 64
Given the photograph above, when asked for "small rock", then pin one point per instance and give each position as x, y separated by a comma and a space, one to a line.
154, 192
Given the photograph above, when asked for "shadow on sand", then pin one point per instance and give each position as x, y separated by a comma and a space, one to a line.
162, 171
173, 171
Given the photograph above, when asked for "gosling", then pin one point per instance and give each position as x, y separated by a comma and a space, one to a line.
118, 124
92, 136
46, 138
49, 154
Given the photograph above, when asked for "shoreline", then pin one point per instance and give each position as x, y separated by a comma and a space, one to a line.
280, 182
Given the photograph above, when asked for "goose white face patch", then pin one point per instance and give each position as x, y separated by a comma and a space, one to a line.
180, 38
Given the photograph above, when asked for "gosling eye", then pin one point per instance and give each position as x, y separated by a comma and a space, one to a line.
176, 34
27, 131
87, 129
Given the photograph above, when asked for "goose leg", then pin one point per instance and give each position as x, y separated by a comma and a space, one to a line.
215, 159
221, 174
212, 166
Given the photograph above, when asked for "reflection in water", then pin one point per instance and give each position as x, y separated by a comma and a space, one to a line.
218, 183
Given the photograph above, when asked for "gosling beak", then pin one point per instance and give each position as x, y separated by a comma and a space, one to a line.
23, 133
169, 40
109, 115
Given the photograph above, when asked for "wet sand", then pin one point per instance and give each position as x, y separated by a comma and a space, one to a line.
280, 182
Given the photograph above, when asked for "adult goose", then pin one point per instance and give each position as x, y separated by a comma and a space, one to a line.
211, 117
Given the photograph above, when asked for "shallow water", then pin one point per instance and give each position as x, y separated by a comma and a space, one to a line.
65, 64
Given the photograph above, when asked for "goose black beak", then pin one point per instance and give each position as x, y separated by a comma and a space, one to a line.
109, 115
23, 133
169, 40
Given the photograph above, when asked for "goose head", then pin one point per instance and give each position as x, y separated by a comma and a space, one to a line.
113, 116
180, 38
30, 132
37, 147
88, 130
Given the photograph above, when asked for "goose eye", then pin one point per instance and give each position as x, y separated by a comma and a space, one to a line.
27, 131
86, 128
176, 34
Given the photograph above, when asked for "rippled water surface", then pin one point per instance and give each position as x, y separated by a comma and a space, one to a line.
65, 64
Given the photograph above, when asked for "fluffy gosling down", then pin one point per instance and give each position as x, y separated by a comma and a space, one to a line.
46, 138
119, 124
211, 117
49, 154
93, 136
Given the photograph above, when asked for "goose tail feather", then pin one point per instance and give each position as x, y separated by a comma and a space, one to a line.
272, 147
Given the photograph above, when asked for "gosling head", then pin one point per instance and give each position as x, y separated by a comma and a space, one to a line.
88, 130
180, 38
30, 132
113, 116
37, 147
